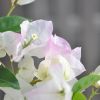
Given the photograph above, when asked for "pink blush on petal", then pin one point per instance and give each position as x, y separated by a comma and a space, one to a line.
57, 45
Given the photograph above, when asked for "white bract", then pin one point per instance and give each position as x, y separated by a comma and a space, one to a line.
55, 75
11, 41
26, 69
23, 2
59, 57
58, 64
2, 50
8, 43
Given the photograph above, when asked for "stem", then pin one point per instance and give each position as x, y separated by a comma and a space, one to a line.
12, 67
94, 93
11, 10
13, 6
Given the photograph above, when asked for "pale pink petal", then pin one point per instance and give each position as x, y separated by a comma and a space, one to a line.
57, 45
77, 52
43, 29
76, 65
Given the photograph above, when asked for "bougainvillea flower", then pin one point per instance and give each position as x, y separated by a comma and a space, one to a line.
59, 53
58, 45
34, 37
32, 40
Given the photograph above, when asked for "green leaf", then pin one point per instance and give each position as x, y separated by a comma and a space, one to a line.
11, 23
85, 82
7, 79
79, 96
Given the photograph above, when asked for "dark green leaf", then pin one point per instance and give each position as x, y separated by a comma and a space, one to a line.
7, 79
85, 82
79, 96
11, 23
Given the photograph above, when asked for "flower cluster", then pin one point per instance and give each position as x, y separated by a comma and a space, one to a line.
55, 74
54, 78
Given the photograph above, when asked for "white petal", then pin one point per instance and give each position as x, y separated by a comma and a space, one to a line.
68, 91
1, 41
12, 93
45, 96
35, 50
25, 86
45, 91
31, 50
26, 69
62, 68
23, 2
77, 52
43, 28
27, 63
76, 65
11, 41
42, 72
27, 74
24, 28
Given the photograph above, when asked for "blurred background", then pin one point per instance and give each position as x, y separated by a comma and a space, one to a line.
78, 21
